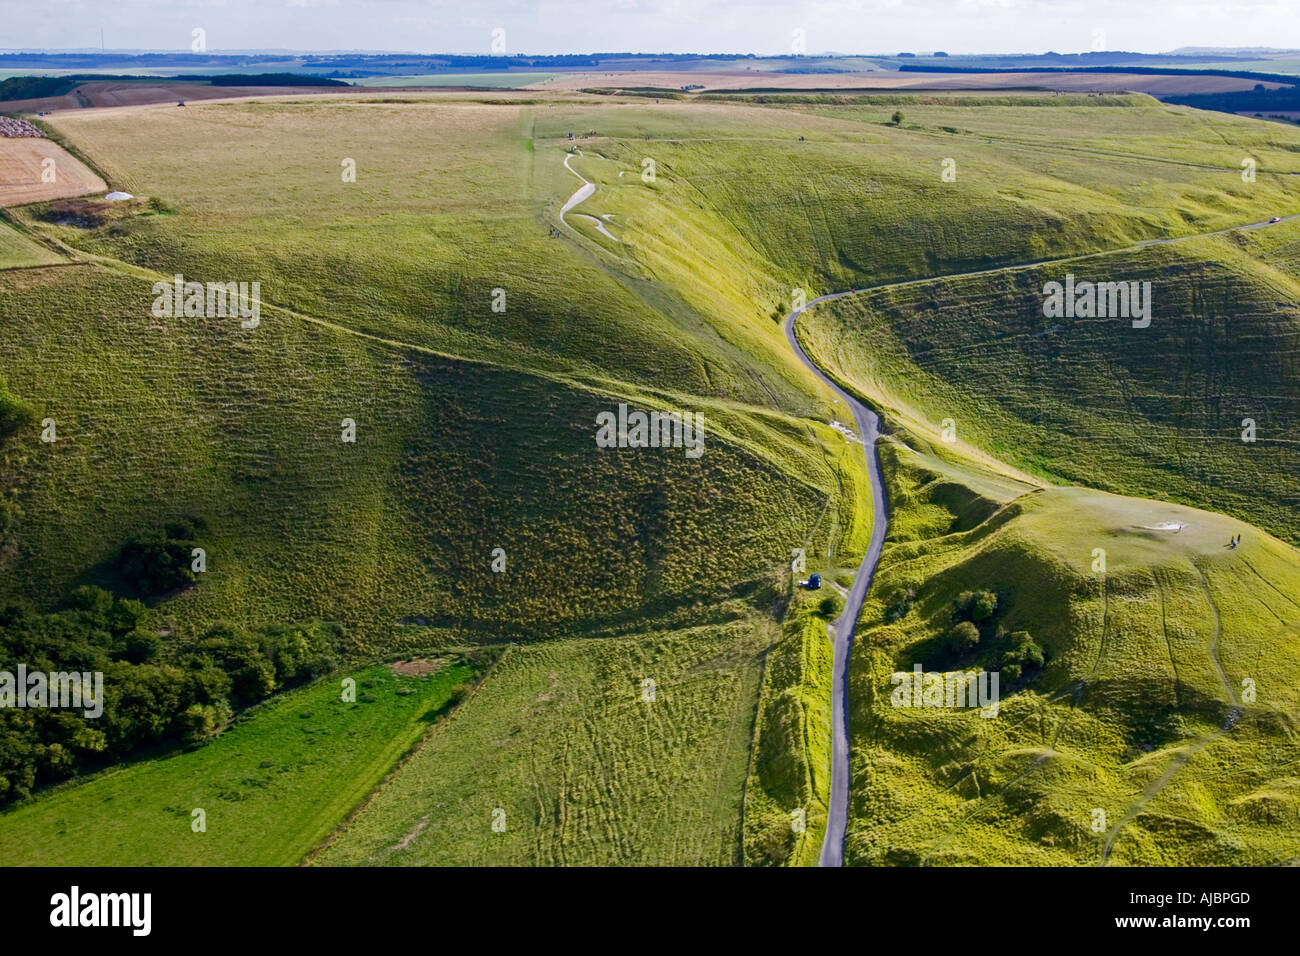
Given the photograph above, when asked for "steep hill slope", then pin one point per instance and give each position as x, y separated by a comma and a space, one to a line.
1199, 405
1145, 710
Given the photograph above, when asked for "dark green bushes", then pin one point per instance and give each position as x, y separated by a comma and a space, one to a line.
160, 563
152, 694
15, 414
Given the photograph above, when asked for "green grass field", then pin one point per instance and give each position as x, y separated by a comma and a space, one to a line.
272, 786
580, 761
475, 432
19, 252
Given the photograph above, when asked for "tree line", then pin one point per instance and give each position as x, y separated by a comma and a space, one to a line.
155, 693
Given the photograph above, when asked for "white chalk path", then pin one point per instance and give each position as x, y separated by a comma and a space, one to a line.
584, 193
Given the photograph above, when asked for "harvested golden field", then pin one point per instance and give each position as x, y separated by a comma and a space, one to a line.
26, 163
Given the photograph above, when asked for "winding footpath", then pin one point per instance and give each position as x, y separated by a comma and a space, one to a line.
868, 430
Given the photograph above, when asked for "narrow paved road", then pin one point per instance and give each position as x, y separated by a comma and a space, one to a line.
868, 425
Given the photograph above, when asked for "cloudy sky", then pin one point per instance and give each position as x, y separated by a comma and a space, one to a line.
653, 26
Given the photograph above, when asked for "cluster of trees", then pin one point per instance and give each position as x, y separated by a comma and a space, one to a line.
1022, 654
899, 604
34, 87
153, 694
974, 613
1258, 100
162, 562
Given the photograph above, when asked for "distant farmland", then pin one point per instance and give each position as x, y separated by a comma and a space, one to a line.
498, 80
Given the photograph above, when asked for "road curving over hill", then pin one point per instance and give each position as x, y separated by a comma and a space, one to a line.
868, 423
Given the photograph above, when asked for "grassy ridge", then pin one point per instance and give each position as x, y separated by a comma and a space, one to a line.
272, 786
858, 201
789, 782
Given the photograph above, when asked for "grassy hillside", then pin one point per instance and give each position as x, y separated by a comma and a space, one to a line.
833, 196
18, 252
474, 427
475, 430
1156, 729
1158, 412
789, 782
450, 462
271, 787
450, 202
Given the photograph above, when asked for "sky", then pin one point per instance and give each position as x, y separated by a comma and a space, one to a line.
653, 26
